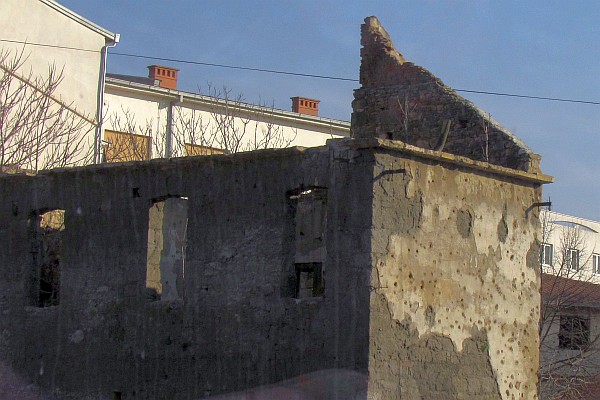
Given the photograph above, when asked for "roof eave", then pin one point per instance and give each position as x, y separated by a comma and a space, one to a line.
113, 37
158, 91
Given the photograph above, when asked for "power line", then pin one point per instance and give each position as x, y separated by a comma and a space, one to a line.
529, 97
271, 71
56, 46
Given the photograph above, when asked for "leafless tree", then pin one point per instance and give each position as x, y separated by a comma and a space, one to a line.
129, 140
228, 125
37, 129
569, 351
191, 131
267, 134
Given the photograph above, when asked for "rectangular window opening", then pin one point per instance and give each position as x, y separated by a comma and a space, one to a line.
125, 146
309, 278
47, 237
310, 250
167, 239
547, 254
574, 332
573, 259
596, 263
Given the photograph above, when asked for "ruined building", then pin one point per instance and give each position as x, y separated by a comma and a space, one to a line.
407, 255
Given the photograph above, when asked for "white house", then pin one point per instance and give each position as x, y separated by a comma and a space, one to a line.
570, 246
147, 117
570, 322
46, 36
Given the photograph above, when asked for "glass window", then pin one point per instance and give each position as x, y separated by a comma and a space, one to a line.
572, 259
574, 332
547, 254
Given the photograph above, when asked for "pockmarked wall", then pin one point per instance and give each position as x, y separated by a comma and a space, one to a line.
95, 301
455, 300
200, 276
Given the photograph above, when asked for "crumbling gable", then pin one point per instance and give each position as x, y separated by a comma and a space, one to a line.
402, 101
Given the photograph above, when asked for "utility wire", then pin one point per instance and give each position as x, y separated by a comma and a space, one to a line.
271, 71
56, 46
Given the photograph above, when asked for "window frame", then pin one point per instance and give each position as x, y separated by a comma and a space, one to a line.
570, 340
543, 254
569, 259
596, 263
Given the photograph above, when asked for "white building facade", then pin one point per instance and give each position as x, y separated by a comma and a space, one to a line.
570, 246
570, 315
46, 36
150, 118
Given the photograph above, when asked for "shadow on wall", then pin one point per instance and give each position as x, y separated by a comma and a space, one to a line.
320, 385
12, 387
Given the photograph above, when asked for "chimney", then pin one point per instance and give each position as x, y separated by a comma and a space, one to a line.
166, 76
302, 105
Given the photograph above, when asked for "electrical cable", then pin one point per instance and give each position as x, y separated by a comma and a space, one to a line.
299, 74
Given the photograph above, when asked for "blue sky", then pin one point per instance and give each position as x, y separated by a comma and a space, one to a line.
539, 48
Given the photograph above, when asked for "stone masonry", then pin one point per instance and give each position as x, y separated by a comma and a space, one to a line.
376, 268
402, 101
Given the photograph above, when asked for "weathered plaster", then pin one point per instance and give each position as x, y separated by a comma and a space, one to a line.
451, 274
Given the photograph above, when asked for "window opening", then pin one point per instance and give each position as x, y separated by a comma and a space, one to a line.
574, 332
596, 263
309, 278
310, 218
573, 259
167, 237
48, 230
547, 254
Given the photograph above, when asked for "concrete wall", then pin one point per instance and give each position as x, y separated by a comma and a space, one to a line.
455, 299
426, 264
234, 325
455, 285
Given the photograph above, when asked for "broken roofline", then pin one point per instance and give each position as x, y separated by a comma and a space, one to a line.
181, 96
448, 158
332, 145
403, 101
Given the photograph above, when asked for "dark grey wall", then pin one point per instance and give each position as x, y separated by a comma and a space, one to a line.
236, 326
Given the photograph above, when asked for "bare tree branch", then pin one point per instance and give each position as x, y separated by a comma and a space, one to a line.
38, 130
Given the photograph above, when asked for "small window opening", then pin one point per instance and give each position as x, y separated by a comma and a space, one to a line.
546, 254
309, 278
310, 220
574, 332
47, 231
572, 259
167, 237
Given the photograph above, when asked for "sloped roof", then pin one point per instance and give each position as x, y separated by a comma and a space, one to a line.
569, 292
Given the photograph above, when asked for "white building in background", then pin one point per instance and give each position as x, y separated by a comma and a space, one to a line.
570, 324
48, 34
122, 118
570, 246
147, 117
